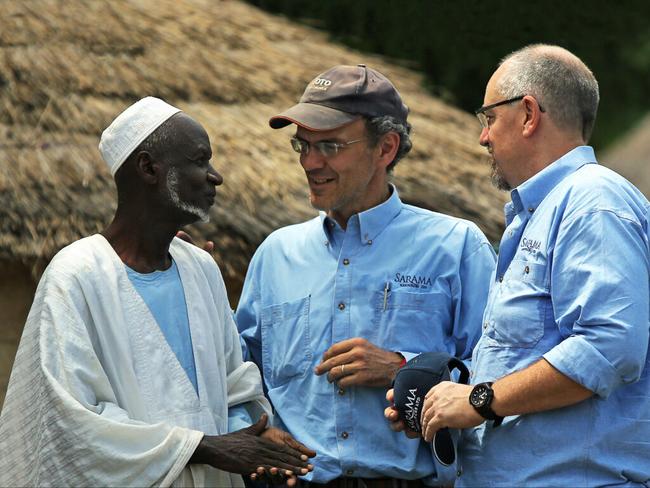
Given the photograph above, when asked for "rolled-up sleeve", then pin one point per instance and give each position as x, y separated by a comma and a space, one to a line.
600, 291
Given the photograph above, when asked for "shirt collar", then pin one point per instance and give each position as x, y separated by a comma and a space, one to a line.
371, 222
527, 196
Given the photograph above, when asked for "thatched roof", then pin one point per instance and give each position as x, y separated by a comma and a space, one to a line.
630, 155
68, 67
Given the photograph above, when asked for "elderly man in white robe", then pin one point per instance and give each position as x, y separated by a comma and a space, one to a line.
129, 371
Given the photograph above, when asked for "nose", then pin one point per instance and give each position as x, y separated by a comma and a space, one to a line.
214, 177
312, 160
483, 137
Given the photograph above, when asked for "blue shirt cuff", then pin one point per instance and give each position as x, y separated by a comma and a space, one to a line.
583, 363
409, 355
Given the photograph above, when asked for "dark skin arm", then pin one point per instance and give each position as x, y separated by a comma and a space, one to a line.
246, 450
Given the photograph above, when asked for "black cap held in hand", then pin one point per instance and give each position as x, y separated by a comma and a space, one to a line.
342, 95
412, 383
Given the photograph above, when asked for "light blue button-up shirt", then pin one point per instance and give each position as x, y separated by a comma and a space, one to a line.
571, 286
404, 278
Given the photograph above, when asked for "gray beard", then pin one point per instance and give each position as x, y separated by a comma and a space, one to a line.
497, 179
172, 189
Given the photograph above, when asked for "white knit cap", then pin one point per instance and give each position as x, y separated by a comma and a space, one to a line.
131, 127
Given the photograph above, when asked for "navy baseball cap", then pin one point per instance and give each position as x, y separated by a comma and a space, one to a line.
341, 95
411, 384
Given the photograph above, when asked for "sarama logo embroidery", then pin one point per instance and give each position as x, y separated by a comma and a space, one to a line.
412, 411
413, 281
530, 245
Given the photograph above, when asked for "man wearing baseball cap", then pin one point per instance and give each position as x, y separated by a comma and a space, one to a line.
332, 307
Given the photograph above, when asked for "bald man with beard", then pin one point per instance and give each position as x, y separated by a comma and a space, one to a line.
560, 393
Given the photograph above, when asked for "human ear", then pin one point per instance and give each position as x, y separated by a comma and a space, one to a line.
387, 148
532, 116
147, 168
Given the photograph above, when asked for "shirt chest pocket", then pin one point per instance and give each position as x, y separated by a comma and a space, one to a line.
520, 308
412, 321
286, 348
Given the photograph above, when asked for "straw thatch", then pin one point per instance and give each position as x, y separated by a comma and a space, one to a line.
68, 67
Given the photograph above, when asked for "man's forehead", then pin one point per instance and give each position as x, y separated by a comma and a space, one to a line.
491, 93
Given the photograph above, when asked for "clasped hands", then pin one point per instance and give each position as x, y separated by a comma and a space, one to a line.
350, 362
258, 451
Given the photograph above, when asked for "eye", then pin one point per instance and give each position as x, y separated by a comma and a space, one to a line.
489, 118
327, 148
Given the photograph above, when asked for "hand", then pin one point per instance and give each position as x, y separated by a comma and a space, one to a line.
245, 450
392, 415
207, 247
281, 437
275, 476
447, 405
359, 362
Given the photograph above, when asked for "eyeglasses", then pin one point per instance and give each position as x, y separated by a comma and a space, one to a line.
483, 119
328, 149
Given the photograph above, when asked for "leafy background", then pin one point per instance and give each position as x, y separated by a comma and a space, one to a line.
457, 44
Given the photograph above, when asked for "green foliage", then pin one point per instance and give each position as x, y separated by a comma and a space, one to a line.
457, 44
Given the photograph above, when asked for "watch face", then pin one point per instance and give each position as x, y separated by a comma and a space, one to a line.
479, 396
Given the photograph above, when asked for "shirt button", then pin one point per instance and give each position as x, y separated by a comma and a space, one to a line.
369, 241
341, 391
526, 270
459, 472
327, 243
346, 261
485, 325
500, 279
341, 306
345, 435
349, 471
531, 209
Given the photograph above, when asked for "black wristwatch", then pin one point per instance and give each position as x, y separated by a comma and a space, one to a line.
481, 399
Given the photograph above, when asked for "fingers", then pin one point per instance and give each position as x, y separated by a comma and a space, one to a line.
338, 373
284, 456
390, 396
274, 476
208, 246
341, 347
184, 236
429, 423
334, 363
258, 427
300, 447
391, 414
